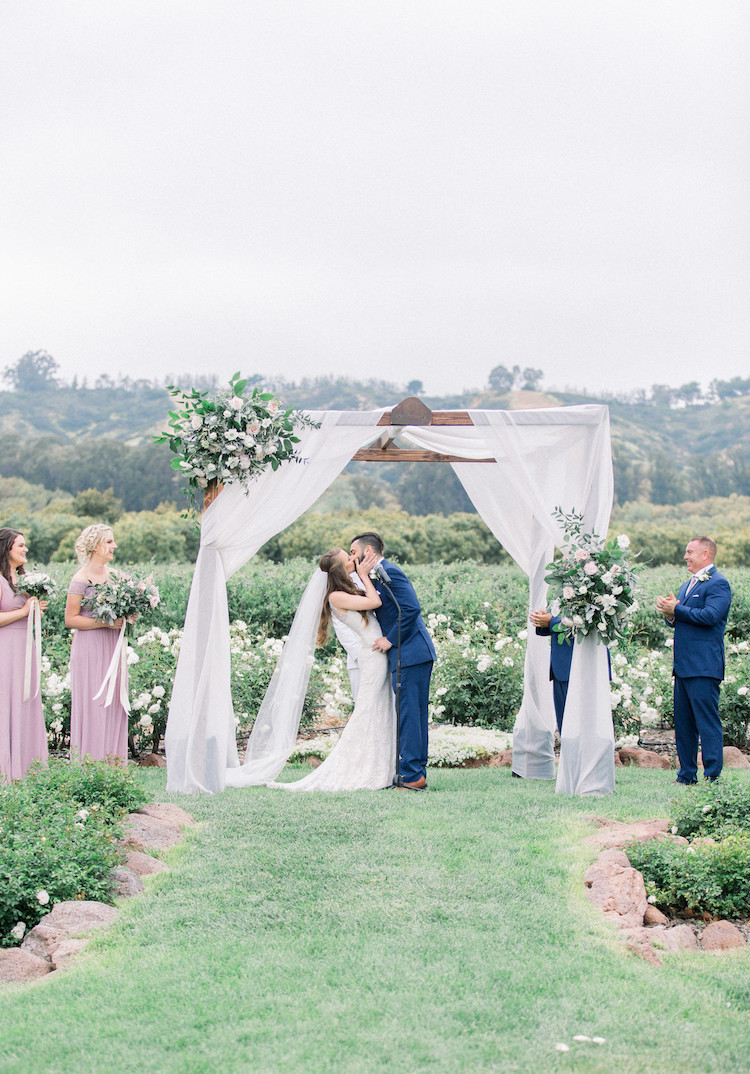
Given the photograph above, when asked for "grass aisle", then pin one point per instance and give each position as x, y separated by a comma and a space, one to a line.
446, 931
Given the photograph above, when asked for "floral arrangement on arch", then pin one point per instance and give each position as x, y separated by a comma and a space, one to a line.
592, 586
228, 437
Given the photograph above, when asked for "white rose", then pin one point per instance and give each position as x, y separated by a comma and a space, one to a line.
18, 930
236, 402
155, 707
158, 691
146, 721
569, 592
623, 541
42, 897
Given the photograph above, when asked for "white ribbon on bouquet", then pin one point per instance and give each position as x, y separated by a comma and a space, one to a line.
33, 641
119, 662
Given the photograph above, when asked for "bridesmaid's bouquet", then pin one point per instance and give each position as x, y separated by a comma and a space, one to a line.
123, 596
36, 584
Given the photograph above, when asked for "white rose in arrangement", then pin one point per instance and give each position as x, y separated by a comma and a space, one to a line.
244, 462
590, 568
568, 592
236, 402
623, 541
196, 421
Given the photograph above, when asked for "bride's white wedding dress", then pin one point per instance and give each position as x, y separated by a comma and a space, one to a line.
365, 755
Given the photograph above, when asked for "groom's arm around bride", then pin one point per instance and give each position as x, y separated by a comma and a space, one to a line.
417, 656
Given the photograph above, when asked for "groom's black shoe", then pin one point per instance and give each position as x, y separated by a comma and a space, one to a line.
418, 785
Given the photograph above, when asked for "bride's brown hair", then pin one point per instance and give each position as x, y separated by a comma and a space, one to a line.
338, 582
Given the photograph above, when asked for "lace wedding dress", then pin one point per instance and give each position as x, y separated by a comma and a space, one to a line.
365, 755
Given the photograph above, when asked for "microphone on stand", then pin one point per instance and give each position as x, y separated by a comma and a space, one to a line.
382, 573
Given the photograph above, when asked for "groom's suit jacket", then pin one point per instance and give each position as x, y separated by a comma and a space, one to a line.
700, 620
416, 643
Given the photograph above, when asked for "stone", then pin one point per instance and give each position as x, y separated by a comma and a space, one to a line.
632, 755
654, 916
17, 965
721, 936
617, 889
152, 760
618, 759
65, 951
64, 921
504, 759
641, 942
144, 864
127, 882
679, 938
614, 833
734, 758
168, 813
148, 833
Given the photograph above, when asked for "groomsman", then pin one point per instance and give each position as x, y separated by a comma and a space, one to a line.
699, 616
560, 659
417, 656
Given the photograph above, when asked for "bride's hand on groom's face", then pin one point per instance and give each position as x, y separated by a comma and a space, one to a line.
366, 564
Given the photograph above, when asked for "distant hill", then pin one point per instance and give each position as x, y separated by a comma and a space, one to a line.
662, 454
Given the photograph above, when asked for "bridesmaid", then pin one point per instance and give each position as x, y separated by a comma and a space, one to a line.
95, 731
23, 735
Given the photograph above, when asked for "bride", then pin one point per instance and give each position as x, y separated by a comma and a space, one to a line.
365, 755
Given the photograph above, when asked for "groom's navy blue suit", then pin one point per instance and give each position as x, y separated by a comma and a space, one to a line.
700, 619
417, 656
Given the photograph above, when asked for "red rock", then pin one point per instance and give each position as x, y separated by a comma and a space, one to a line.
734, 758
504, 759
65, 951
127, 882
680, 938
17, 965
721, 936
148, 833
168, 813
643, 758
64, 921
654, 916
614, 833
641, 942
152, 760
617, 889
144, 864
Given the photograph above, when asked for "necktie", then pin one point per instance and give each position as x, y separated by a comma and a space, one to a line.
693, 582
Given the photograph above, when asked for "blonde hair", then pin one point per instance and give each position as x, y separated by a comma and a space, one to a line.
90, 539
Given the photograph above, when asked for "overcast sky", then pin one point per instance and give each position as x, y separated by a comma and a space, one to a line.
412, 189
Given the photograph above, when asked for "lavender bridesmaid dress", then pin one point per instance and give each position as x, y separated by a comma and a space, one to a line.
23, 735
95, 731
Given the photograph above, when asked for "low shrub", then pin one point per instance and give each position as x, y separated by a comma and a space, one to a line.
713, 809
58, 839
708, 877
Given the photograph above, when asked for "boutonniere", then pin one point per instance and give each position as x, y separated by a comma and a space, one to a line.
702, 576
374, 576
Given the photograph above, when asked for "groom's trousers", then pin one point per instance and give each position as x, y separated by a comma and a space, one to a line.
414, 717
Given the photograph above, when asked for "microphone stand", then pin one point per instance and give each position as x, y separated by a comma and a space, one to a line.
397, 778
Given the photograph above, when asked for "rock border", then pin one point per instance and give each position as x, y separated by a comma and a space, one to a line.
67, 928
619, 892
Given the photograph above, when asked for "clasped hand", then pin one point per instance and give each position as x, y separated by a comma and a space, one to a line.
667, 605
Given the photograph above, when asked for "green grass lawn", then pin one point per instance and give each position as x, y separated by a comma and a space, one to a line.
370, 931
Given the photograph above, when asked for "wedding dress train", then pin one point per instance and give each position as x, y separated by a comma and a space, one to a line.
365, 755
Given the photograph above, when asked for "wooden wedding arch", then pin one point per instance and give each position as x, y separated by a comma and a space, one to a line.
410, 411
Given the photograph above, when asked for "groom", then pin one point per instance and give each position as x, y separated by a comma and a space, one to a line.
417, 656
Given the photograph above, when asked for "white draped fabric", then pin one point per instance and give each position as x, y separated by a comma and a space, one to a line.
200, 739
543, 458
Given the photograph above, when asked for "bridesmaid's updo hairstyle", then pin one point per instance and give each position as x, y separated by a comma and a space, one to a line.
7, 540
90, 540
338, 581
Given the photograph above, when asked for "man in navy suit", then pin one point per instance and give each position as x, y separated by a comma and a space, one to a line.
699, 616
560, 658
417, 656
